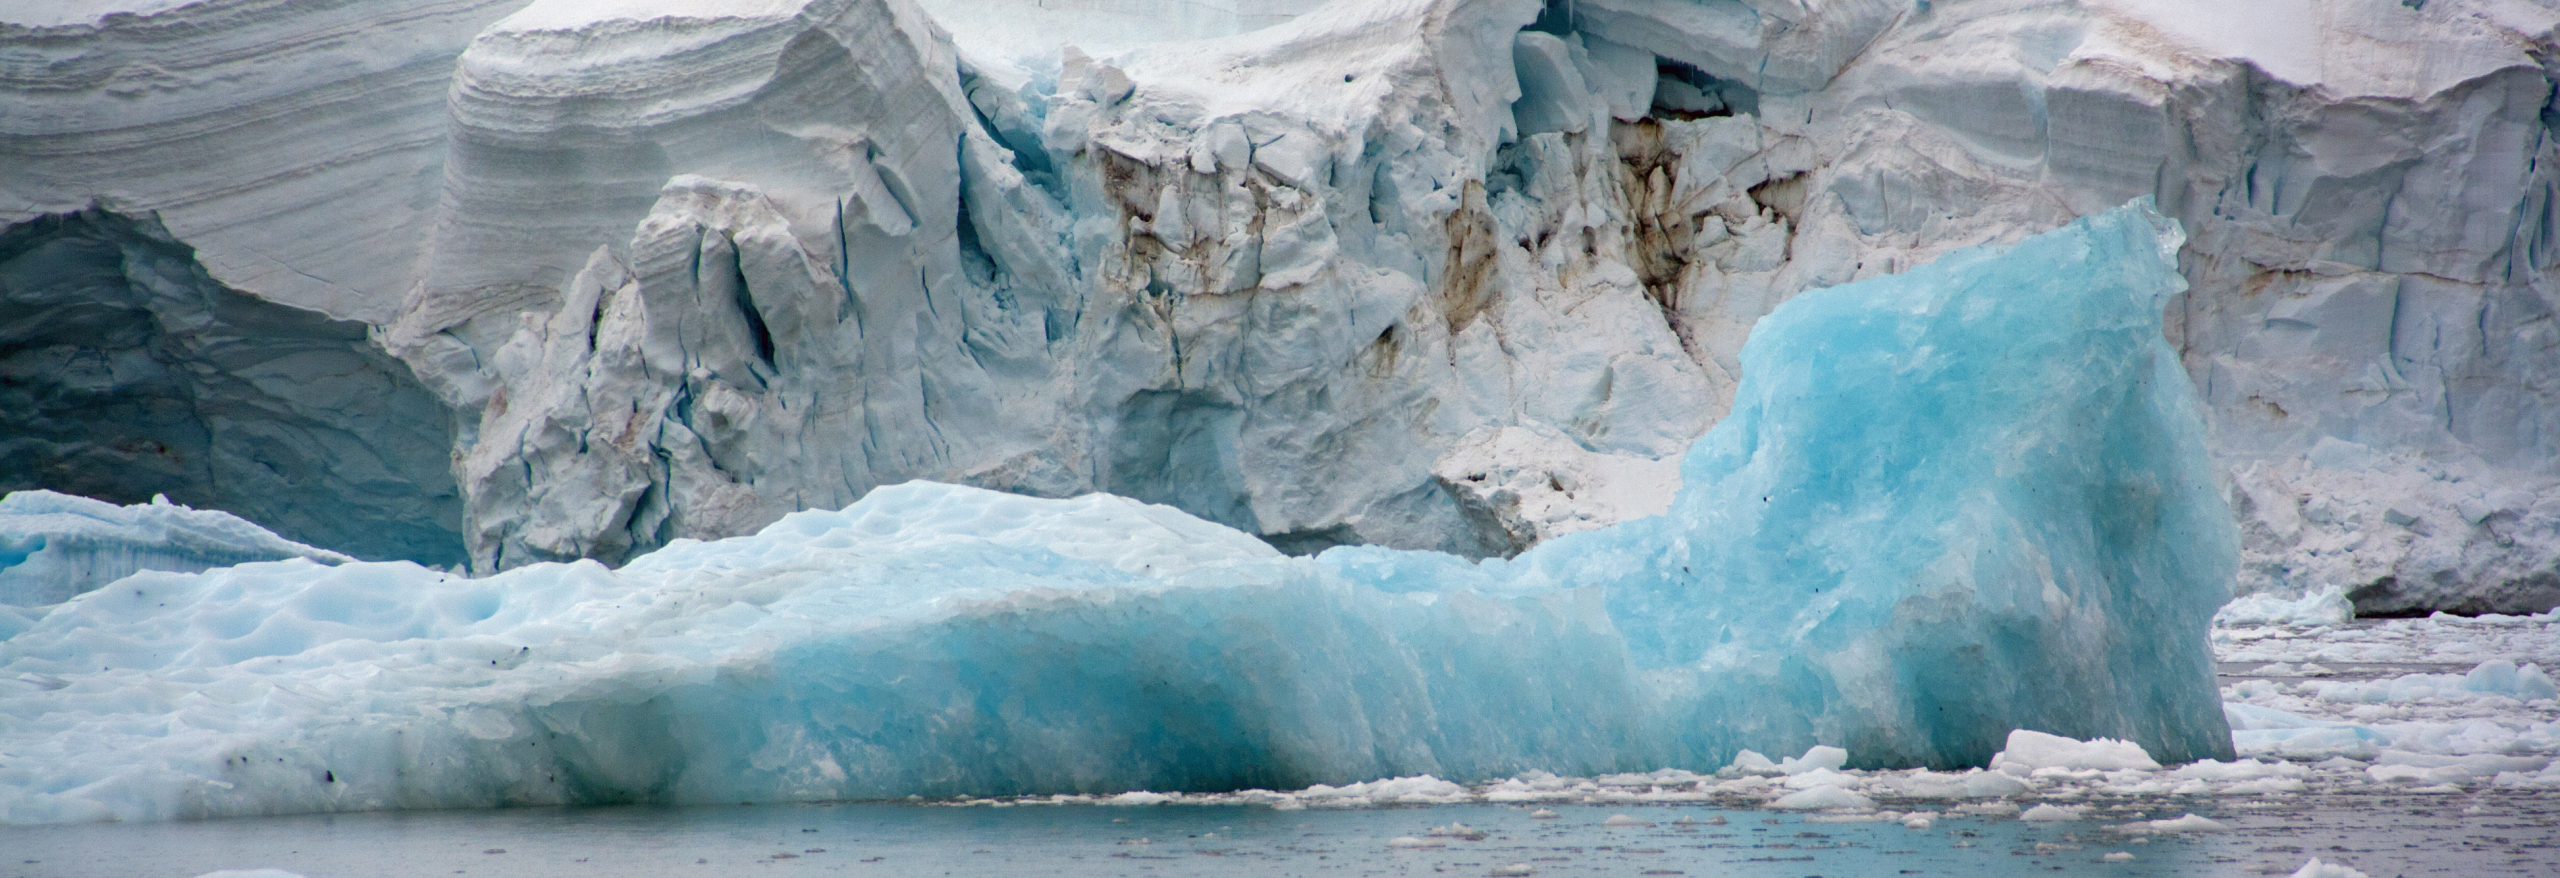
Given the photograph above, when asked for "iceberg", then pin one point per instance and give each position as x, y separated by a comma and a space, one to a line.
1966, 499
55, 546
1949, 504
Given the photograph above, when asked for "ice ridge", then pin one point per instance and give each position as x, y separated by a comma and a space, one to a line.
2014, 530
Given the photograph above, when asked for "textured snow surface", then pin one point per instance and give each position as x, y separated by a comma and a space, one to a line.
54, 546
941, 640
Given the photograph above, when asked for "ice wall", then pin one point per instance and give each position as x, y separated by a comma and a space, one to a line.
2024, 534
127, 371
296, 144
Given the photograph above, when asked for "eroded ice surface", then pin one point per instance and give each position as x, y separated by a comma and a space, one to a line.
1949, 505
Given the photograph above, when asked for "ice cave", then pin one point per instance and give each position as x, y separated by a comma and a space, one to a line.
2122, 433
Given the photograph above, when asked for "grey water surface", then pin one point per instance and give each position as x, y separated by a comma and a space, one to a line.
2417, 835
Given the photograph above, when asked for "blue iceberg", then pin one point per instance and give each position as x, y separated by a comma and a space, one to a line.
54, 546
1948, 504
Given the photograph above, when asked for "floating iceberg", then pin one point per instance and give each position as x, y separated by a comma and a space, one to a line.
54, 546
1948, 504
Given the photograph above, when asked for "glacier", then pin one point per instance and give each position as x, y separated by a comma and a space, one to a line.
1982, 504
676, 269
128, 372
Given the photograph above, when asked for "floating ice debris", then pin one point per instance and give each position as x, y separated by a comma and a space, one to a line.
2317, 869
1514, 870
1407, 842
1543, 814
1823, 798
250, 873
1459, 831
2049, 813
2323, 607
1918, 821
2028, 751
2188, 823
1751, 762
1622, 820
1815, 758
2118, 857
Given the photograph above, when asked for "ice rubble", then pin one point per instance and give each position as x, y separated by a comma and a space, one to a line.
2495, 716
2052, 504
54, 546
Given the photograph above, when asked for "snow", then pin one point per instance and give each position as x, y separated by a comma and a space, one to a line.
941, 640
570, 14
55, 546
70, 13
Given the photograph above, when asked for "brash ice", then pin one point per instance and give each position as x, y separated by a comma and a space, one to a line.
1949, 503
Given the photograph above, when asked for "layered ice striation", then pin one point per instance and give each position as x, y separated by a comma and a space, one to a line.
55, 546
1983, 506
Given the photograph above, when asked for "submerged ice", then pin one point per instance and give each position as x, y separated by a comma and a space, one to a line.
1948, 504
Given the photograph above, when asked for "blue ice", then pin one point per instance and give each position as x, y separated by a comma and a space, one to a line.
54, 546
1947, 504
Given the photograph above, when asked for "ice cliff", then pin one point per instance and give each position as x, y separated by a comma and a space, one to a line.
126, 371
2030, 537
1420, 274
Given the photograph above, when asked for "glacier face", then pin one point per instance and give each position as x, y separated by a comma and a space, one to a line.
1291, 266
296, 144
943, 640
127, 371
